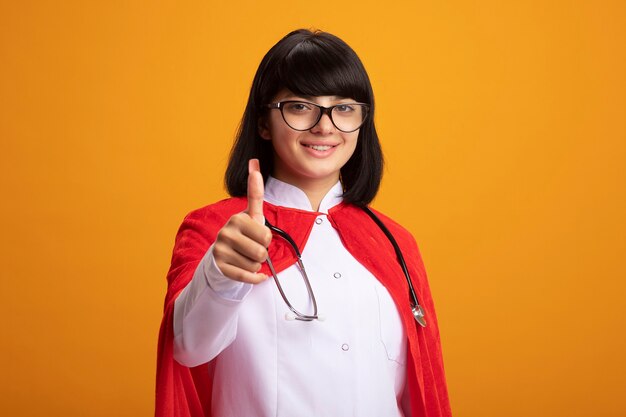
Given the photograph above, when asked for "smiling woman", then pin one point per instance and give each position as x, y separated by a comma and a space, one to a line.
347, 336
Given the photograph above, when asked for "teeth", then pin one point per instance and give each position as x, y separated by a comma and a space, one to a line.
319, 147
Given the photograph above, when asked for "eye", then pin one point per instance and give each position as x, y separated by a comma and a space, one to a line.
344, 108
298, 107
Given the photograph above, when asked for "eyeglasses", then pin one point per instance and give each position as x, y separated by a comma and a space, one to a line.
303, 115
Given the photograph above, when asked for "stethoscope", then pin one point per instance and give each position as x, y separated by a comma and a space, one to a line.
416, 309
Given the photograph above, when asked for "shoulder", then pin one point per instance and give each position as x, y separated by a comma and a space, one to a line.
355, 212
206, 221
394, 227
354, 223
221, 210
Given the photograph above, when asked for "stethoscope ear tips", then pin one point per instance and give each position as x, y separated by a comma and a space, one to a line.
418, 314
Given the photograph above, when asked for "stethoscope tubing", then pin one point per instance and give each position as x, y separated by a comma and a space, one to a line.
297, 315
416, 309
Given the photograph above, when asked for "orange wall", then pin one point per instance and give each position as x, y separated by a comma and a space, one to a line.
503, 125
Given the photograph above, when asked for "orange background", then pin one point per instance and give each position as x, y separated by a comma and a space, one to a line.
503, 126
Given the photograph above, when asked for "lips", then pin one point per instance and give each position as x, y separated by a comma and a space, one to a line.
318, 147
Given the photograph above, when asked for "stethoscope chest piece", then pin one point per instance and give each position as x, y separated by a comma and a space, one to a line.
418, 314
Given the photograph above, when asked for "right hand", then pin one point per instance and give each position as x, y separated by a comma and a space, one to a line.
241, 244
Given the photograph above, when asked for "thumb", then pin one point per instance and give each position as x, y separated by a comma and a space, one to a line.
255, 191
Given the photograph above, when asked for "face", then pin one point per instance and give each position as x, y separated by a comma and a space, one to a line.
312, 157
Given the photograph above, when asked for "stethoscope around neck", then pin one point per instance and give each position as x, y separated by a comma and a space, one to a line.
416, 309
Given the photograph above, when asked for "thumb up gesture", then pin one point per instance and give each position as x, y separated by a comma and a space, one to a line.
241, 244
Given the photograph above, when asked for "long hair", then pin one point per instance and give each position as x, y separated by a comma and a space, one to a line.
311, 63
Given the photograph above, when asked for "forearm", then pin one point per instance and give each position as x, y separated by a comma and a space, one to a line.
205, 314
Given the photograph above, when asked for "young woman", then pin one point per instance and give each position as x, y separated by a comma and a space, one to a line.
293, 298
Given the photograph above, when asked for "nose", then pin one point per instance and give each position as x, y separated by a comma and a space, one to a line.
324, 126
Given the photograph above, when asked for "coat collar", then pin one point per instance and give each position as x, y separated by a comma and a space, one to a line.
282, 194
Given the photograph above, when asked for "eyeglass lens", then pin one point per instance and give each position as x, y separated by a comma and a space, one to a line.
303, 116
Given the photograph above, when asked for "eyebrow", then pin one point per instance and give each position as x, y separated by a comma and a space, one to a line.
310, 98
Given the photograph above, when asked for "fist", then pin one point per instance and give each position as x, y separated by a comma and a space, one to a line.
241, 244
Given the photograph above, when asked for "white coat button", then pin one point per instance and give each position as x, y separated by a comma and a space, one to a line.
318, 220
345, 347
337, 275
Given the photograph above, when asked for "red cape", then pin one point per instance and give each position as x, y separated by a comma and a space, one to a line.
184, 392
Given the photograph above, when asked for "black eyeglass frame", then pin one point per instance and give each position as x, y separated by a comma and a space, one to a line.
323, 110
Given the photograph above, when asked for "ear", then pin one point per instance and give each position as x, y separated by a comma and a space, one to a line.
264, 130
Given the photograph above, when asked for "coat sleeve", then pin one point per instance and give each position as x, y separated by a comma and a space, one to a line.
205, 319
179, 388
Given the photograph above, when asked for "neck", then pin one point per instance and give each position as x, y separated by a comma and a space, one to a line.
315, 189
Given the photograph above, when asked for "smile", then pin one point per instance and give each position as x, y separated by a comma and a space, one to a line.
320, 147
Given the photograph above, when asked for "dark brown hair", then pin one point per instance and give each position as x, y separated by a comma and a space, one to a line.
309, 63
